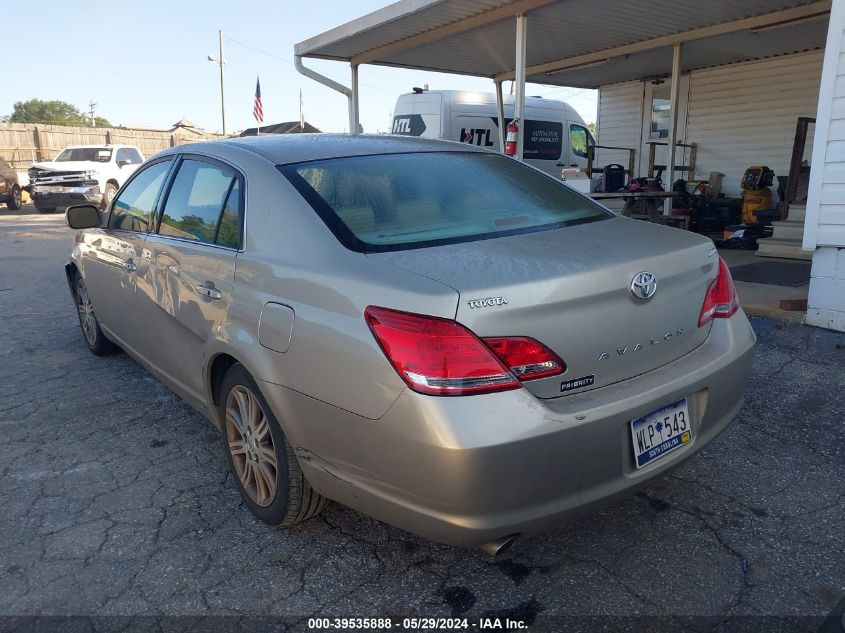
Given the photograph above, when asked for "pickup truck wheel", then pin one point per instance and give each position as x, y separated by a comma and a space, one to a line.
14, 202
108, 196
94, 337
260, 457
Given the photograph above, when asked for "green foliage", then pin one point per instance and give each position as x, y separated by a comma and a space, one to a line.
189, 226
55, 112
228, 233
578, 140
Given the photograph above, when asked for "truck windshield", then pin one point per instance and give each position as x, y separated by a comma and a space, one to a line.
94, 154
393, 202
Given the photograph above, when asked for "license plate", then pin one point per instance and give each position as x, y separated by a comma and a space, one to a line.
660, 432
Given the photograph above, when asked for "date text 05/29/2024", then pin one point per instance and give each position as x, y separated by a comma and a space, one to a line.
416, 624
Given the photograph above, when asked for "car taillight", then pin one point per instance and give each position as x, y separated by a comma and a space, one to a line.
720, 302
438, 356
526, 357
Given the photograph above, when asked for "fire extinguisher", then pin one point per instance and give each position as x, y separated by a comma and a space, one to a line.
510, 139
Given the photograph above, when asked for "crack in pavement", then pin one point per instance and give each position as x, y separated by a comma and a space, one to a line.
116, 501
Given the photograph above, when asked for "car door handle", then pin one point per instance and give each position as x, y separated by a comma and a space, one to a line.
209, 291
130, 266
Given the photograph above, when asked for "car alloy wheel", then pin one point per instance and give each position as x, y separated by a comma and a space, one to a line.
86, 313
251, 445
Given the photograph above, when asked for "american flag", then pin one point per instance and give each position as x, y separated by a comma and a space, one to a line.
257, 109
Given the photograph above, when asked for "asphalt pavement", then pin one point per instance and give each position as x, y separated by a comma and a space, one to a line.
115, 501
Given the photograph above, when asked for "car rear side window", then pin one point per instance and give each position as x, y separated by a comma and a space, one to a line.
228, 231
133, 208
201, 200
400, 201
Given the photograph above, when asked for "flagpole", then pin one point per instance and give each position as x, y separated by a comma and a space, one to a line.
257, 108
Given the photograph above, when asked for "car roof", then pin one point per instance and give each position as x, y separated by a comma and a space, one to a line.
295, 148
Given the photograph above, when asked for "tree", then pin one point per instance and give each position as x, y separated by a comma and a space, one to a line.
593, 129
58, 112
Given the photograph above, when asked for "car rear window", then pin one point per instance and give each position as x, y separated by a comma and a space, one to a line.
399, 201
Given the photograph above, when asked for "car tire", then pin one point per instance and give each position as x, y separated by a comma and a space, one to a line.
14, 203
45, 209
108, 196
261, 460
94, 338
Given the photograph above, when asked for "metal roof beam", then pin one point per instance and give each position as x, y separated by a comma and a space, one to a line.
447, 30
364, 23
757, 22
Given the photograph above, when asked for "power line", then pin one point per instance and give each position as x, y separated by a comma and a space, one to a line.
287, 60
570, 96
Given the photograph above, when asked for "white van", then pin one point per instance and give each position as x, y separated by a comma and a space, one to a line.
555, 135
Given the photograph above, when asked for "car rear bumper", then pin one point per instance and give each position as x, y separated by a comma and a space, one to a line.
61, 196
470, 470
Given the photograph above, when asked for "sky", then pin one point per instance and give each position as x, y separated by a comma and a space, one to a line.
145, 64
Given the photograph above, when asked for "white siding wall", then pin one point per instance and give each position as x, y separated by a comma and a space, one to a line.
826, 202
745, 114
824, 229
619, 120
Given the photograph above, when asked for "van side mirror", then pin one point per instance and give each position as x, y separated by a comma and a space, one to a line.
83, 216
123, 162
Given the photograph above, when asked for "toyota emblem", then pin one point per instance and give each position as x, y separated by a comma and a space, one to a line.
643, 286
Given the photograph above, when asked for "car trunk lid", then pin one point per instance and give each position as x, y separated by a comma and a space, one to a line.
570, 289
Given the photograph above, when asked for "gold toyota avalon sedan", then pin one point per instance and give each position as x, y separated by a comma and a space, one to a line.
434, 334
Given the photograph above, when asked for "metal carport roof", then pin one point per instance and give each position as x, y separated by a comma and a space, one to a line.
579, 43
477, 37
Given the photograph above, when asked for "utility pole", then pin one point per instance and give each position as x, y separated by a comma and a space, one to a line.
92, 106
219, 60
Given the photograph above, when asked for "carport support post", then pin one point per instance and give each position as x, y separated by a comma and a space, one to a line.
519, 97
354, 115
673, 125
500, 113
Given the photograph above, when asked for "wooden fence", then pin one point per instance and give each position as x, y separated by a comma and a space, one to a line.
25, 143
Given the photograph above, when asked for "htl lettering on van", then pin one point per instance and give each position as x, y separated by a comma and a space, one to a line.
555, 136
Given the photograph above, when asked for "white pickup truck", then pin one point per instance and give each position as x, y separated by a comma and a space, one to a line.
82, 174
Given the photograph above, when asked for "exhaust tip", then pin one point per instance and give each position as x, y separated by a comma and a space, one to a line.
500, 546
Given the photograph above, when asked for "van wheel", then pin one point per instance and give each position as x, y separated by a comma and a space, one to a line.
260, 457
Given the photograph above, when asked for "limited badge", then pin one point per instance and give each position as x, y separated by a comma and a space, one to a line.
578, 383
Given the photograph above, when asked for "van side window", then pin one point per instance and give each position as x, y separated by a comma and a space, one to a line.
579, 139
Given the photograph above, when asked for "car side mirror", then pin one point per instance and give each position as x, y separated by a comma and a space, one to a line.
83, 216
123, 162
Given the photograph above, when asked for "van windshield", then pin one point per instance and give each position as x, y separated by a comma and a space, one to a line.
393, 202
